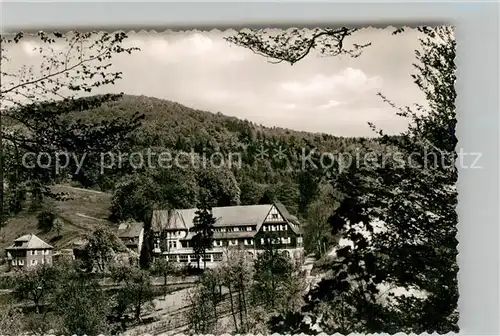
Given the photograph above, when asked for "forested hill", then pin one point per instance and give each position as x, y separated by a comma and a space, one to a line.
268, 153
169, 123
272, 161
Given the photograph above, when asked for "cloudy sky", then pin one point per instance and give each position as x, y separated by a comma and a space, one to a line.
318, 94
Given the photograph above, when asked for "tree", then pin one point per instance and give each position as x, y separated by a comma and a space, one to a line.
100, 249
218, 187
317, 231
163, 267
294, 288
36, 284
82, 304
309, 188
38, 102
209, 289
57, 227
200, 315
238, 272
401, 218
136, 291
46, 221
272, 268
204, 230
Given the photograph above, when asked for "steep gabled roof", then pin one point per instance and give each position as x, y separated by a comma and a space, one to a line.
29, 242
291, 219
129, 230
165, 219
242, 215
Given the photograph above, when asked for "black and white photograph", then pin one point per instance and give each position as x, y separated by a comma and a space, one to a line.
254, 181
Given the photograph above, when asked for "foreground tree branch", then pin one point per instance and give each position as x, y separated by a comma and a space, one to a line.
295, 44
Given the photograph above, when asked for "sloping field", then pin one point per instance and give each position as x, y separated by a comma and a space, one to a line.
82, 211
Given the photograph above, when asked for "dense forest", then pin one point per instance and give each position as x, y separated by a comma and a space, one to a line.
169, 127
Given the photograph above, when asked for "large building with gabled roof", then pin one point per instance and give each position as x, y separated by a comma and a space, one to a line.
28, 251
247, 227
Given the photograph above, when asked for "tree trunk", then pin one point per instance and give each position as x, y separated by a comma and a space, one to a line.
244, 303
273, 292
138, 308
216, 318
165, 286
240, 308
232, 308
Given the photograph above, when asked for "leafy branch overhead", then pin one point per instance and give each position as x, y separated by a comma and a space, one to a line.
72, 62
295, 44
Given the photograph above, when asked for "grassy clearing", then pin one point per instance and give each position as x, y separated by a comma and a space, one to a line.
81, 213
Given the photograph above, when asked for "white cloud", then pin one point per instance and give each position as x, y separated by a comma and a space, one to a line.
185, 46
320, 84
331, 103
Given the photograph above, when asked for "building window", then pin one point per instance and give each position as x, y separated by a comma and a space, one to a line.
266, 228
262, 241
233, 242
193, 258
33, 262
285, 240
183, 258
33, 252
273, 227
299, 240
236, 229
274, 216
217, 256
14, 262
20, 262
223, 230
206, 258
249, 228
